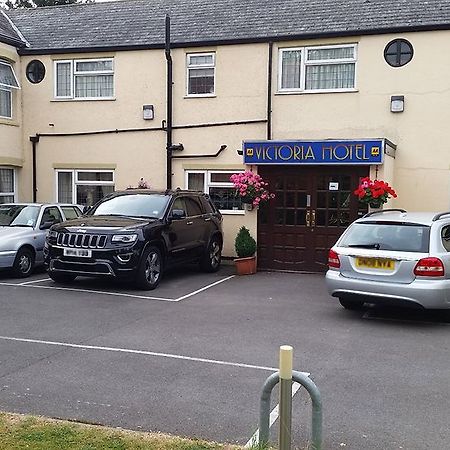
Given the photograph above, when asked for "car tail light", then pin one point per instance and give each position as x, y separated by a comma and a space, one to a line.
429, 267
333, 259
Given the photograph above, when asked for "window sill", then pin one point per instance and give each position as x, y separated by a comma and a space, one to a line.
58, 100
201, 96
338, 91
10, 122
231, 212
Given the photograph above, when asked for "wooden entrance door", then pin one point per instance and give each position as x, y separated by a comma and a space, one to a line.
311, 209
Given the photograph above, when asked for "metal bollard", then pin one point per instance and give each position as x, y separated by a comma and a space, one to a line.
285, 408
264, 412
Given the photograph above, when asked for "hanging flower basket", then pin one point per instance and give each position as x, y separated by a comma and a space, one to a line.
374, 193
251, 188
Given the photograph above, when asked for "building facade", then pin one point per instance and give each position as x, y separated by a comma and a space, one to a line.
312, 98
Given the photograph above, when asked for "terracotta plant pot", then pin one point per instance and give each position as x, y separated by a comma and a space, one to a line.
245, 266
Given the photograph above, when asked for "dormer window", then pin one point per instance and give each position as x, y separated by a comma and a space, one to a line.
8, 82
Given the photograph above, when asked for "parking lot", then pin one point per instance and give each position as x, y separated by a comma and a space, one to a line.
190, 358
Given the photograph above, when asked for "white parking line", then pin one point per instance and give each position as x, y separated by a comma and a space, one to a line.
204, 288
119, 294
139, 352
254, 440
91, 291
33, 281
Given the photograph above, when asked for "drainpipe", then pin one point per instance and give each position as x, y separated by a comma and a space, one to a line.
169, 107
269, 93
34, 140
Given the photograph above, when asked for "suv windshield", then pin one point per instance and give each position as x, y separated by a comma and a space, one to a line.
388, 236
18, 215
133, 205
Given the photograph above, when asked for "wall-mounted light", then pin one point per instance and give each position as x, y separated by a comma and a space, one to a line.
148, 112
397, 103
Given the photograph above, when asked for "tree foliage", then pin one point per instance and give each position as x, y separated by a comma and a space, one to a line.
11, 4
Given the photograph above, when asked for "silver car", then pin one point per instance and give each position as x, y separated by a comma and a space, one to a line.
23, 227
392, 258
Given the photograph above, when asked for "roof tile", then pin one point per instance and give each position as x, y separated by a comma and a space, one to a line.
141, 22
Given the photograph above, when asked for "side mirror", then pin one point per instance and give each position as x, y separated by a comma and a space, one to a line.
46, 225
178, 214
86, 209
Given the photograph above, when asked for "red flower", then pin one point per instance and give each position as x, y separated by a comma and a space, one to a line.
374, 192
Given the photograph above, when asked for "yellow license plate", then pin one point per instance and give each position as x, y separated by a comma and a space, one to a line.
376, 263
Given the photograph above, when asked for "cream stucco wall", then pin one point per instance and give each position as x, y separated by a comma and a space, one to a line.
420, 132
140, 78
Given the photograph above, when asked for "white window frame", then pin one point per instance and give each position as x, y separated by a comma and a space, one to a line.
76, 181
207, 183
9, 194
55, 78
190, 66
304, 63
9, 88
74, 73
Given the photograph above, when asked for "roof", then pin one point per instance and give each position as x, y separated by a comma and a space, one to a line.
131, 24
8, 34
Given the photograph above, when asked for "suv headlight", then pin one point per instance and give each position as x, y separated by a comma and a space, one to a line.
124, 238
52, 234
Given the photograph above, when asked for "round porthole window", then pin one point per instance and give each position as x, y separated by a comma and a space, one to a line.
398, 52
35, 71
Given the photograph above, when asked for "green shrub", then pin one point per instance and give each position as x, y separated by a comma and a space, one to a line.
244, 244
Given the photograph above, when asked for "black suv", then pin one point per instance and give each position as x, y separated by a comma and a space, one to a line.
137, 234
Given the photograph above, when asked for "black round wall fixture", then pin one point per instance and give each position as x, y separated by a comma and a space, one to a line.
398, 52
35, 71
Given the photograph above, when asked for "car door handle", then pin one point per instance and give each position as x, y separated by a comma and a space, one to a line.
207, 219
189, 223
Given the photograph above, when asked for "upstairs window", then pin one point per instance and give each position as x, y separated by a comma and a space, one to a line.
201, 74
89, 79
8, 82
398, 52
317, 69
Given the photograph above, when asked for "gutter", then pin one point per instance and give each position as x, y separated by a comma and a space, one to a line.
169, 107
11, 41
34, 141
269, 92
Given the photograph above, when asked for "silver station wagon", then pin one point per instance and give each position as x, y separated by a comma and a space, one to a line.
393, 258
23, 228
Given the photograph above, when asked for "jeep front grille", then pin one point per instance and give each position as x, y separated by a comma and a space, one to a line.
79, 240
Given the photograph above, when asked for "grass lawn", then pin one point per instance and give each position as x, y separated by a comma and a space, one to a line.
19, 432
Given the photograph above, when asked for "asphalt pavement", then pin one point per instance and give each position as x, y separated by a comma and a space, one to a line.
190, 358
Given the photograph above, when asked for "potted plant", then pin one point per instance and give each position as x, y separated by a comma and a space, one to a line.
142, 184
245, 247
251, 188
374, 193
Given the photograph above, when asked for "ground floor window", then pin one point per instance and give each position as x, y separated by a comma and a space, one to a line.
83, 187
219, 187
7, 185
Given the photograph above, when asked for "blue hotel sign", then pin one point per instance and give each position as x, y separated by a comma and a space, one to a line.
314, 152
